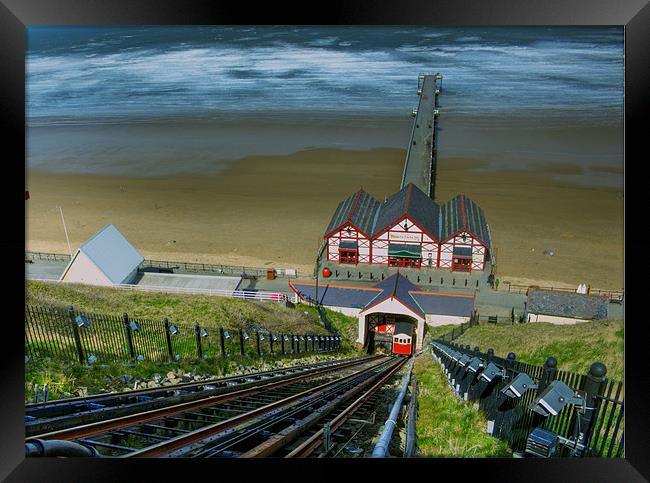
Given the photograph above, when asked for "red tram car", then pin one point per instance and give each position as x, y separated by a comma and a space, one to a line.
403, 339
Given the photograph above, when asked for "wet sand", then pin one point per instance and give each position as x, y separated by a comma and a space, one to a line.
273, 210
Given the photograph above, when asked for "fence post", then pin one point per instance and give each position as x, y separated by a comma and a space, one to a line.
241, 341
549, 374
595, 384
75, 331
271, 342
297, 340
306, 348
222, 343
197, 332
257, 337
168, 336
129, 338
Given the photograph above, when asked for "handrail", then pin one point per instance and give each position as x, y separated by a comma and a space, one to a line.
243, 294
202, 267
381, 448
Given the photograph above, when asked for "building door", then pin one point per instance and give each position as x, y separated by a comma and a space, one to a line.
462, 264
404, 262
348, 256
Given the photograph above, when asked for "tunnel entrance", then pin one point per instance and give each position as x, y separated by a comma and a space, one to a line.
390, 333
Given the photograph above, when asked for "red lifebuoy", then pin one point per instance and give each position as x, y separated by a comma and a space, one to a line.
327, 272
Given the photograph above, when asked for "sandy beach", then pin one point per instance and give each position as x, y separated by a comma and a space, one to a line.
272, 211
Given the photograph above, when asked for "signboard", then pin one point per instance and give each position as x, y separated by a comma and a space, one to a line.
412, 237
386, 329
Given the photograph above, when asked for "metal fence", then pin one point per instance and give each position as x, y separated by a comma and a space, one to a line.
90, 338
415, 275
523, 289
591, 424
258, 295
238, 271
183, 266
55, 257
477, 319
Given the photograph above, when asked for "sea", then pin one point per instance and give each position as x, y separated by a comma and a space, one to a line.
176, 100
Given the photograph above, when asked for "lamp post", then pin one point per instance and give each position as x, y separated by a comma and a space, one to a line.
317, 270
66, 231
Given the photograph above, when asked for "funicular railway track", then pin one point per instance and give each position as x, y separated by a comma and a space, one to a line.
280, 415
64, 413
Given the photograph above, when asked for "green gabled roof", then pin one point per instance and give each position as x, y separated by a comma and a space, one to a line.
359, 209
462, 214
413, 202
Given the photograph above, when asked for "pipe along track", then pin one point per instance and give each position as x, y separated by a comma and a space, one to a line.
262, 417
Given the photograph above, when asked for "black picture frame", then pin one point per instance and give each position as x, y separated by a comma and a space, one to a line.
16, 14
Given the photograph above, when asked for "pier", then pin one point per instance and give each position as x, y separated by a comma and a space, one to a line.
420, 164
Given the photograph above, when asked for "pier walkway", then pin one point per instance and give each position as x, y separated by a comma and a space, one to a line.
420, 164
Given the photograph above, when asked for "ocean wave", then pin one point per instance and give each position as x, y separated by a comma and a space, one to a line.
162, 70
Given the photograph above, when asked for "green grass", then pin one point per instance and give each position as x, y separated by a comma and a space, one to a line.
575, 347
67, 377
447, 427
70, 379
345, 325
209, 311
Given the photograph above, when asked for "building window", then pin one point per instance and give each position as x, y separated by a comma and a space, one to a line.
348, 256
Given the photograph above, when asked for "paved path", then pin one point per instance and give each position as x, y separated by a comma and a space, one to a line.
45, 269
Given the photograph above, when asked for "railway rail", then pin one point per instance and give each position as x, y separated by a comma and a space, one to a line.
63, 413
292, 412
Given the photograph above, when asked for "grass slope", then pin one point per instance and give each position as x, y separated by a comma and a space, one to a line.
447, 427
576, 347
70, 379
207, 310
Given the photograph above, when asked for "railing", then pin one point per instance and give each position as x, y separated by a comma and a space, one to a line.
238, 294
89, 338
611, 294
185, 266
212, 268
417, 276
47, 256
595, 429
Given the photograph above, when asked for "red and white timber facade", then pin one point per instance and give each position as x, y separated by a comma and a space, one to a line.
349, 235
463, 240
409, 230
405, 232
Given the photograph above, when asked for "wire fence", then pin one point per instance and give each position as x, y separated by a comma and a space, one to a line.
90, 338
585, 411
